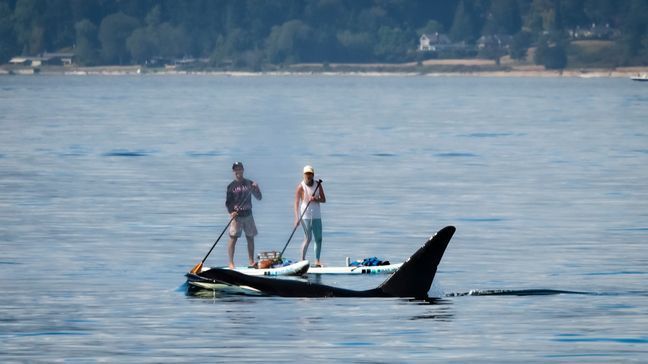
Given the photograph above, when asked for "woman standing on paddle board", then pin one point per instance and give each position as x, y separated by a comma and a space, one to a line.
308, 197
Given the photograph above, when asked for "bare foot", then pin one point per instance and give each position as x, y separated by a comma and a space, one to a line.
231, 266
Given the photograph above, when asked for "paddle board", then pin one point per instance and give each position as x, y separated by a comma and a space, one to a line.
295, 269
377, 269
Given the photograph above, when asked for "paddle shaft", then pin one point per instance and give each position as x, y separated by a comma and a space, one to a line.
219, 237
319, 183
198, 267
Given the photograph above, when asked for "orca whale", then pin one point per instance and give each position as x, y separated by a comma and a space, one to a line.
412, 280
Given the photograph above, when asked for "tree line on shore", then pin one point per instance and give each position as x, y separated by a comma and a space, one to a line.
251, 34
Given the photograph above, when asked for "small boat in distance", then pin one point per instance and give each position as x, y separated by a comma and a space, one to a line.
640, 77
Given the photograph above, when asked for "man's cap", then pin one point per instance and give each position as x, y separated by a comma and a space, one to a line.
309, 169
237, 165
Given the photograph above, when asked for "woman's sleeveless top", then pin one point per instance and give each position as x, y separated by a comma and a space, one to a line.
313, 211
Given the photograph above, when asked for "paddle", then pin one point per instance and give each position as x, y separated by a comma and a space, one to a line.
319, 183
198, 267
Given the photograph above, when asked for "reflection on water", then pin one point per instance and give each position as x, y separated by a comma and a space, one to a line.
440, 310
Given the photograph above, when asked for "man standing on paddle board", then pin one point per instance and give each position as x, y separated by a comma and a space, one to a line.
308, 197
239, 206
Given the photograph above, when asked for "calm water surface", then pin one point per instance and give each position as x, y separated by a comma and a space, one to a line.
111, 188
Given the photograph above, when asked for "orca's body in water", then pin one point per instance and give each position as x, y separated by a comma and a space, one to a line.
413, 279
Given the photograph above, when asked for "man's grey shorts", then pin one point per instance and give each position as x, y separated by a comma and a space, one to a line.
245, 224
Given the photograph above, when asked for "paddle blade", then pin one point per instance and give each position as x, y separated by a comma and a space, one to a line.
196, 269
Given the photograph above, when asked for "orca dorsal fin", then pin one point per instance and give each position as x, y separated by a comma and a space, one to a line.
415, 276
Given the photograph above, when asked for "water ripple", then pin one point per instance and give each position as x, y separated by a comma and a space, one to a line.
621, 340
126, 153
211, 153
456, 155
487, 135
481, 219
621, 273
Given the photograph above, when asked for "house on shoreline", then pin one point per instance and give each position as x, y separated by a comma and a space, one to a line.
495, 41
433, 42
594, 32
49, 59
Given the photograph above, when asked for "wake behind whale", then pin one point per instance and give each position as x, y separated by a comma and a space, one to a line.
513, 292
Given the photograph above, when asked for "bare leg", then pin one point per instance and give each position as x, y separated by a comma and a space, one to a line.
230, 251
250, 241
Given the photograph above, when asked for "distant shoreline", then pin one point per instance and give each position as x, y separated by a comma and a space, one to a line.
364, 70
